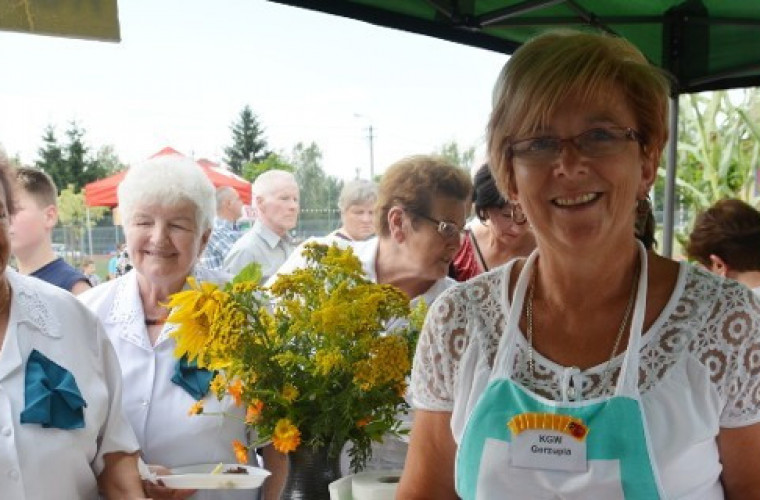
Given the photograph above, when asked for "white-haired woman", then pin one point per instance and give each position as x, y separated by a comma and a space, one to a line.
357, 210
167, 205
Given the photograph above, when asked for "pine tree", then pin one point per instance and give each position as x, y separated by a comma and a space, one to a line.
75, 154
51, 159
248, 142
70, 164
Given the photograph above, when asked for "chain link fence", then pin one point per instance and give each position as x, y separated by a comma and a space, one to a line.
74, 243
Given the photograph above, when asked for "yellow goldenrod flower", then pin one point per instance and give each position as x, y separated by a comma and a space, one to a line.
327, 360
217, 385
388, 362
317, 357
286, 436
241, 452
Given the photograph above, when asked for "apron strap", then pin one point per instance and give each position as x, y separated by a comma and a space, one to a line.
628, 380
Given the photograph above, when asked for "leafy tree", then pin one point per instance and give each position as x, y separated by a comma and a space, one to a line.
461, 158
318, 190
248, 142
273, 161
108, 161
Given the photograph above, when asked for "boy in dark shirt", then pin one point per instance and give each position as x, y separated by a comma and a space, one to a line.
31, 232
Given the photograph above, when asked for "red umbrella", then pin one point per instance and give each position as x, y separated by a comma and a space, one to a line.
102, 193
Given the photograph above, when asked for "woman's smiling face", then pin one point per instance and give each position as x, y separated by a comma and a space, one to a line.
576, 200
164, 241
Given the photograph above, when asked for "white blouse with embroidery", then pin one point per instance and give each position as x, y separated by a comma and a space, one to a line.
38, 462
699, 368
157, 408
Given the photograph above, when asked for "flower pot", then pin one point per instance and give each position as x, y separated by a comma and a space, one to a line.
310, 472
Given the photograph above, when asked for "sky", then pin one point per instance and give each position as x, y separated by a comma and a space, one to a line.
185, 69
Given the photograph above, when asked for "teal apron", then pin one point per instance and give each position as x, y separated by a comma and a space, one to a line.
517, 444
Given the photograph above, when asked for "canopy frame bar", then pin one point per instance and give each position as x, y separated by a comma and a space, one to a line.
731, 73
499, 15
612, 20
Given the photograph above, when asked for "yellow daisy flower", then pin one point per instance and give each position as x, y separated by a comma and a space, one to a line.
286, 436
289, 393
241, 452
235, 389
253, 413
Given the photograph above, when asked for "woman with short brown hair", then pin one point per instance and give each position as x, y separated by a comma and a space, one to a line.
594, 368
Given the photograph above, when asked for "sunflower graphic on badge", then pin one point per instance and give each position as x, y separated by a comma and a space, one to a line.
548, 441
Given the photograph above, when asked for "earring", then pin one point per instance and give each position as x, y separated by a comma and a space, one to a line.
516, 212
643, 207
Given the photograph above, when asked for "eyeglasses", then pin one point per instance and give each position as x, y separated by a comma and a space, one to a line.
514, 213
594, 143
445, 229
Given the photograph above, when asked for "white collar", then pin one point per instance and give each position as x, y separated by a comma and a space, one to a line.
28, 307
127, 314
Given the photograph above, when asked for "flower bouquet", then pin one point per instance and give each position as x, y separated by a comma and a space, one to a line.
311, 357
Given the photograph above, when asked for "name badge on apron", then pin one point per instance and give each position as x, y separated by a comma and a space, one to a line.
548, 441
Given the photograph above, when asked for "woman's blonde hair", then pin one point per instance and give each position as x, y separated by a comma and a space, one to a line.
561, 64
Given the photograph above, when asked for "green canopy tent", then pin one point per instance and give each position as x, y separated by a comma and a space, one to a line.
88, 19
703, 44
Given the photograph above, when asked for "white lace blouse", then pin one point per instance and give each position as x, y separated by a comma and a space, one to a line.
699, 368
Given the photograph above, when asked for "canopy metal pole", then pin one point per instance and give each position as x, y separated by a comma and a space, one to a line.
668, 215
89, 231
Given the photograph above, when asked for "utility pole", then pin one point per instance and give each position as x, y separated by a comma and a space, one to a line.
371, 138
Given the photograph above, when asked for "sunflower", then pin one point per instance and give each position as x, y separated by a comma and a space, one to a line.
195, 310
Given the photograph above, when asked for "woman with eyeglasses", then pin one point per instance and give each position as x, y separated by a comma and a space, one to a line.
419, 219
501, 232
594, 368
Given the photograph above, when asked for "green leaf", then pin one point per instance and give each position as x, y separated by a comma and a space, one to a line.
251, 272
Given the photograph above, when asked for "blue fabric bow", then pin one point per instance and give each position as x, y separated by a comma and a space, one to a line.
51, 395
194, 380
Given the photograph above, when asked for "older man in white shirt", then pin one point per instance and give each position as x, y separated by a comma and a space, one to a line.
276, 198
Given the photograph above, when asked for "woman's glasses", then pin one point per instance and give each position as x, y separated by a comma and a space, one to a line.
445, 229
594, 143
514, 213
